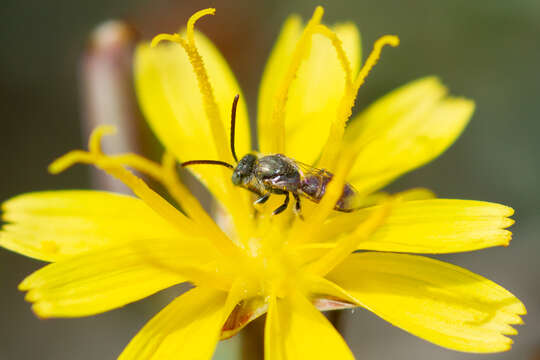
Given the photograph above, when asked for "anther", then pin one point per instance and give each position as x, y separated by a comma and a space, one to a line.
209, 102
193, 19
330, 152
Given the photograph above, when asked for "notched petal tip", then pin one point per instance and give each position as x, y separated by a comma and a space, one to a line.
516, 309
506, 238
512, 316
508, 211
4, 206
446, 305
41, 310
505, 222
26, 284
32, 296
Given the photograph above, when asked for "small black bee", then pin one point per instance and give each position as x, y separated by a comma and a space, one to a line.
279, 174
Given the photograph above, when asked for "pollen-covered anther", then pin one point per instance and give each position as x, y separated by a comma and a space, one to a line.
373, 58
197, 64
331, 152
164, 172
115, 165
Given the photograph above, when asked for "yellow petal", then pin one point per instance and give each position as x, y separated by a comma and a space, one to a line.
295, 329
188, 328
273, 337
54, 225
109, 277
315, 93
404, 130
433, 226
439, 302
169, 96
94, 282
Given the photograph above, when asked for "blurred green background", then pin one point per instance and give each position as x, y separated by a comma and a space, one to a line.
487, 50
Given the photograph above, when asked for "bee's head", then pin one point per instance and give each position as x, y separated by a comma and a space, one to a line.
244, 169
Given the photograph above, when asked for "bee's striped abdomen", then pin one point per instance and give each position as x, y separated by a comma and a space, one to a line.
313, 186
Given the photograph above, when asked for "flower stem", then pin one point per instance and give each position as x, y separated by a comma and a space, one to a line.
253, 340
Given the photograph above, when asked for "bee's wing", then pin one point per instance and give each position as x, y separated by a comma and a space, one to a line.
314, 182
308, 170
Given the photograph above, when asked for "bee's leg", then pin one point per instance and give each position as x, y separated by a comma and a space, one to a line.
262, 199
283, 206
297, 206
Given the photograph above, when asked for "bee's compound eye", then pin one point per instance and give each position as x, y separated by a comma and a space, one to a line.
236, 178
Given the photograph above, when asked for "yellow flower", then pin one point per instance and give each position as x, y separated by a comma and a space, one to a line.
107, 250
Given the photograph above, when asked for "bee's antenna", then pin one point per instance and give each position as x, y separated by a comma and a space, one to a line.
217, 162
233, 125
207, 162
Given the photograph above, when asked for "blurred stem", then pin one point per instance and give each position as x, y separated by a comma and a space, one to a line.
336, 318
107, 92
253, 335
253, 340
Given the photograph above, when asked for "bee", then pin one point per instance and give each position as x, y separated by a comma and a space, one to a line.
280, 175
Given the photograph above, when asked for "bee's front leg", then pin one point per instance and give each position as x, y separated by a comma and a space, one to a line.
283, 206
262, 199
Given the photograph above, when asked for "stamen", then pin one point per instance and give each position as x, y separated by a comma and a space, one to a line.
168, 161
114, 167
331, 149
140, 164
372, 59
68, 160
167, 175
342, 56
197, 63
193, 19
140, 189
301, 50
211, 109
180, 193
94, 143
166, 37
